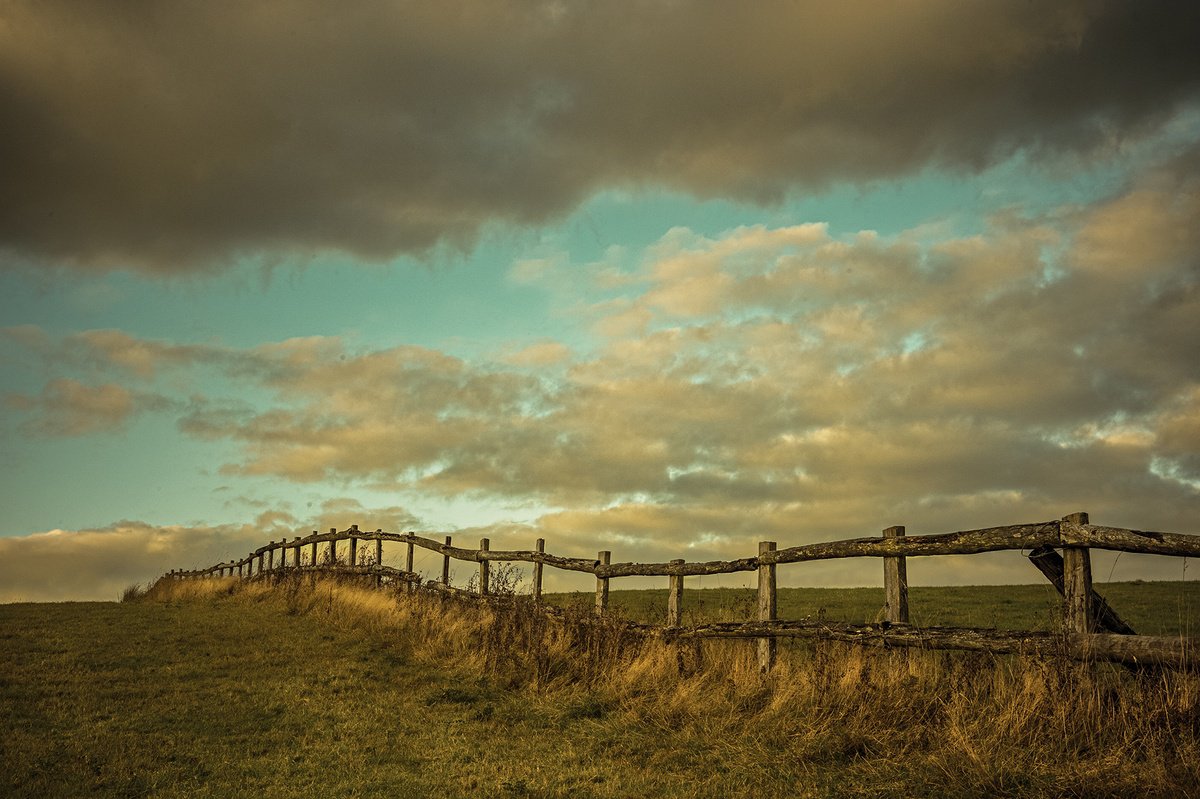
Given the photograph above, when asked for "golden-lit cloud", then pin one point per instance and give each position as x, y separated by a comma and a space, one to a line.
184, 138
99, 563
784, 382
69, 408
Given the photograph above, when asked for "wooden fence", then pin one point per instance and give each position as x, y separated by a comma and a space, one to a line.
1091, 629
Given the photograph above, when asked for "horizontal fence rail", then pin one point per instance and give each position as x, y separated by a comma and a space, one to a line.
1091, 629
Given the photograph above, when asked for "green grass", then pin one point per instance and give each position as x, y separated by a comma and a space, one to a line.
1151, 608
223, 699
324, 691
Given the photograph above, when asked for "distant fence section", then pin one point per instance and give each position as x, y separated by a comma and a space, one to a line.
1059, 549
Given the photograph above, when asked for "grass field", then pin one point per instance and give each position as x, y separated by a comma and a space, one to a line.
332, 690
1151, 608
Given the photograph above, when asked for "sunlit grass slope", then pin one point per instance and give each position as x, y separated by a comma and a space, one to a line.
337, 690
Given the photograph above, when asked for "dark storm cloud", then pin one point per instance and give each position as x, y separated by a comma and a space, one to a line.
174, 137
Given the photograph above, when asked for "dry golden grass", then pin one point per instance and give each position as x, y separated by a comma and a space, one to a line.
934, 723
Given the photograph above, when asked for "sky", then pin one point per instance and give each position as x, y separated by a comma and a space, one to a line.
663, 278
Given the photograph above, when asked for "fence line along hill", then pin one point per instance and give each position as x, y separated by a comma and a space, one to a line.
1059, 549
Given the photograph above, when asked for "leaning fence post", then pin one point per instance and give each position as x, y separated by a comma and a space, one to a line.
1077, 583
603, 559
484, 570
446, 564
766, 606
675, 596
895, 582
540, 547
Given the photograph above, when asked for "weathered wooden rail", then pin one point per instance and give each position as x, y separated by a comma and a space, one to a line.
1091, 629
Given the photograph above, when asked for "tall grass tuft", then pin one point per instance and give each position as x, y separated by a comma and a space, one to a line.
133, 592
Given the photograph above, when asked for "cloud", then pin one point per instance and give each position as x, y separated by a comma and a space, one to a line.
542, 353
829, 382
184, 138
790, 383
69, 408
99, 563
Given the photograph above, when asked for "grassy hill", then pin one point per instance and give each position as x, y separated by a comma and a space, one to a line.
331, 690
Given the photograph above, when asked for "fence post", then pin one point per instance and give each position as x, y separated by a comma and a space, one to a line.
766, 607
537, 572
297, 553
270, 559
409, 585
378, 559
895, 582
314, 552
333, 548
1077, 583
604, 558
446, 565
353, 551
675, 597
484, 570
